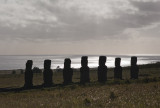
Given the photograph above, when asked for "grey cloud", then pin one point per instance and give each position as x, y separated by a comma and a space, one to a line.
72, 25
150, 6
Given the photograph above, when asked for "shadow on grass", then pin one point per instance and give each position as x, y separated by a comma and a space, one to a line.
76, 84
10, 89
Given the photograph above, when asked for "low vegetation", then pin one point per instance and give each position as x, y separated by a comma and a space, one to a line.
126, 93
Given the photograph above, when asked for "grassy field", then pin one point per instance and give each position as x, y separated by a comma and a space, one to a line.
126, 93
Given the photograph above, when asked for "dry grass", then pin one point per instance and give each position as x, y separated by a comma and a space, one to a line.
141, 93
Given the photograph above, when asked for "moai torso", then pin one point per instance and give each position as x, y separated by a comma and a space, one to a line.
118, 69
84, 70
28, 74
47, 73
67, 71
134, 68
102, 69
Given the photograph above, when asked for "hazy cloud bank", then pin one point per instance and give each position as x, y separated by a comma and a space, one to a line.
78, 19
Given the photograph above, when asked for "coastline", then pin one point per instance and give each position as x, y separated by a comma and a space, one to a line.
18, 62
21, 71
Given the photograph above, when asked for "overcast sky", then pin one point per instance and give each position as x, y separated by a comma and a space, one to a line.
79, 27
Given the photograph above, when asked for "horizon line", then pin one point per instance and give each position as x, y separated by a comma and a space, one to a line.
81, 55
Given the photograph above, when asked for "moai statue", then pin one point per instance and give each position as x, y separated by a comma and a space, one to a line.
102, 69
67, 71
134, 68
118, 69
84, 70
28, 74
47, 73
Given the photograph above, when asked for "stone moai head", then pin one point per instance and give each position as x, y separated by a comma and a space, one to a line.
29, 64
47, 64
102, 60
117, 62
133, 61
67, 63
84, 61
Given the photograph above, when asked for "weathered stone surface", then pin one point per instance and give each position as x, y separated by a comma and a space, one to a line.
84, 70
28, 74
118, 69
134, 68
67, 71
47, 73
102, 69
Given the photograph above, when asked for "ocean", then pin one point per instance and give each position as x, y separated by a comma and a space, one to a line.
18, 62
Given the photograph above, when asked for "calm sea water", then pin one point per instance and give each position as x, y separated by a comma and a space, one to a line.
18, 62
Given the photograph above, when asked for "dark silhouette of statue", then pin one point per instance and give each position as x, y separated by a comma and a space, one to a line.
67, 71
47, 73
84, 70
102, 69
117, 69
28, 74
134, 68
